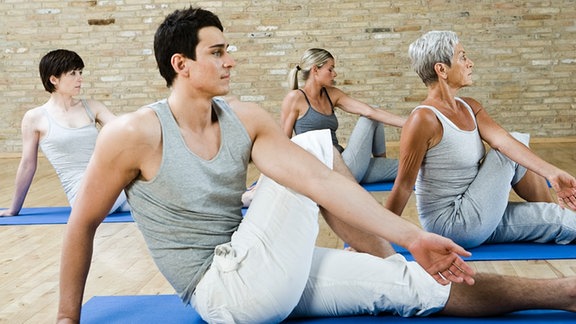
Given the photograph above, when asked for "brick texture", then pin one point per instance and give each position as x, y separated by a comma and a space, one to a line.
524, 53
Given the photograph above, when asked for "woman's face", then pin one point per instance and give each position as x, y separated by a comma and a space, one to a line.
68, 83
327, 73
460, 73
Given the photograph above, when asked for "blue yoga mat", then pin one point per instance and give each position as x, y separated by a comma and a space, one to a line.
378, 186
513, 251
54, 215
169, 309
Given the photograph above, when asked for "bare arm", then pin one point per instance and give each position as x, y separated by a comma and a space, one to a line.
273, 153
499, 139
113, 165
28, 163
421, 132
102, 114
290, 112
354, 106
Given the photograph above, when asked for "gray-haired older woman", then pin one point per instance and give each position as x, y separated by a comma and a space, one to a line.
461, 192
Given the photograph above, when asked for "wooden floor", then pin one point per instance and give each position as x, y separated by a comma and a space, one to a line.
29, 255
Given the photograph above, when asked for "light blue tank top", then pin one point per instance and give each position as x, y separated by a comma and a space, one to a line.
69, 151
192, 204
449, 167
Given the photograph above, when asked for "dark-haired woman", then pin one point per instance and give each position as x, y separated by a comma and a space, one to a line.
64, 127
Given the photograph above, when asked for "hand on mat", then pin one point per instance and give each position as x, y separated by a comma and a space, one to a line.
440, 257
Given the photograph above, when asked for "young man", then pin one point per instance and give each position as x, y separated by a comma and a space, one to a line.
183, 162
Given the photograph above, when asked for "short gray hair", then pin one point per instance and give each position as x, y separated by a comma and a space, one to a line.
431, 48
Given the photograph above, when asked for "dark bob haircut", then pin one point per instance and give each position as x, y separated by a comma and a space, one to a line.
56, 63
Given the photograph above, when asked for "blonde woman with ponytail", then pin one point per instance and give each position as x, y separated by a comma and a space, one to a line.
312, 107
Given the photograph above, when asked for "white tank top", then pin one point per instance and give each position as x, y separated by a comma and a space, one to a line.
449, 167
69, 150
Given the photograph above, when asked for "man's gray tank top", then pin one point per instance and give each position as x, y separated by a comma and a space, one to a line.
449, 167
314, 120
69, 150
192, 204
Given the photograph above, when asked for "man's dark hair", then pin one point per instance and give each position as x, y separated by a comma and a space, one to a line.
56, 63
178, 34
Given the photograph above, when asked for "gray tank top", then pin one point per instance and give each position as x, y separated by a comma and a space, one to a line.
449, 167
192, 204
69, 151
314, 120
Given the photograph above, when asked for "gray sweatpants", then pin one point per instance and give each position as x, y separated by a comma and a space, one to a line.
483, 214
368, 138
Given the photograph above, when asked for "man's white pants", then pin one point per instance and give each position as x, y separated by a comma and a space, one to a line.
271, 269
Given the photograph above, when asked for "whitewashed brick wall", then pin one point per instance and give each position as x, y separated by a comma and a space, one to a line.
524, 52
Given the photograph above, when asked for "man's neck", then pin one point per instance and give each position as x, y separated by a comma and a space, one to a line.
192, 110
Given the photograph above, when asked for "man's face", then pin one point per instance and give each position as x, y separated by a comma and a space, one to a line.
210, 72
